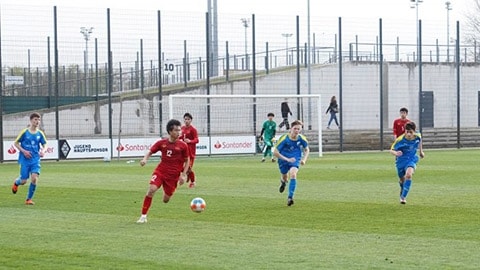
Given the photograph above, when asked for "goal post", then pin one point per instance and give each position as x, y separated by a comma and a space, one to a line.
243, 115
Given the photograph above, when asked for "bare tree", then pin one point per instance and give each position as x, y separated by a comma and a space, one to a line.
472, 27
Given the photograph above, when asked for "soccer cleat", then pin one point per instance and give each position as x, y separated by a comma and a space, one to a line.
14, 188
191, 185
402, 200
282, 186
273, 160
29, 202
142, 219
263, 159
290, 202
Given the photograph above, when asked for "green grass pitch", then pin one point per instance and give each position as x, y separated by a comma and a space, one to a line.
346, 216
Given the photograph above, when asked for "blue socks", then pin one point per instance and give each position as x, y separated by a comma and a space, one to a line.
291, 187
31, 191
406, 187
31, 188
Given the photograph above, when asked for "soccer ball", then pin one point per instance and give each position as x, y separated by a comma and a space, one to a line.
198, 205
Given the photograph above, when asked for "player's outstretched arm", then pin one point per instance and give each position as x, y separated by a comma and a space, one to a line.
306, 152
420, 149
396, 153
183, 174
43, 150
145, 158
282, 157
25, 152
261, 133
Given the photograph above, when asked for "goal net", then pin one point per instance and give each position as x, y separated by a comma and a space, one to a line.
243, 115
138, 125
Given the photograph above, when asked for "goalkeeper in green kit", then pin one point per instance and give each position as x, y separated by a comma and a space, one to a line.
268, 136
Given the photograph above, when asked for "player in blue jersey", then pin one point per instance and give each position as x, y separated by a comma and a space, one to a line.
31, 142
292, 151
404, 148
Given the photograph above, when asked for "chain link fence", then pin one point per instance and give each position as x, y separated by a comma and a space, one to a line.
75, 65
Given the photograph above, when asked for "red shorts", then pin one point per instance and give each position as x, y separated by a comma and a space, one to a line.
168, 182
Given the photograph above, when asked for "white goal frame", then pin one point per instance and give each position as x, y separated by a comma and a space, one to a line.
171, 105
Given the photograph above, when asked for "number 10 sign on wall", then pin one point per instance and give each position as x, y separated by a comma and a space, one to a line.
168, 68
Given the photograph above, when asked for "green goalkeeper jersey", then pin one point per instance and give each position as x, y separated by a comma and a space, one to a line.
269, 130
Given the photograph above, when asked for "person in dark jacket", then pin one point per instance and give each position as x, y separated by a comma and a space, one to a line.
285, 111
333, 110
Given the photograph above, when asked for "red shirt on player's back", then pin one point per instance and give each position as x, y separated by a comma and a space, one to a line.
174, 155
190, 132
399, 126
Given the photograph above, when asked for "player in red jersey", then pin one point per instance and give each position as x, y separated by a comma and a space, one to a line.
172, 168
190, 136
399, 123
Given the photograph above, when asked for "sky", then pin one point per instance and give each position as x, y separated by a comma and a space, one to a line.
403, 11
431, 11
428, 9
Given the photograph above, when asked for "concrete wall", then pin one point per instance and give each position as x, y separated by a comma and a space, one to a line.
360, 104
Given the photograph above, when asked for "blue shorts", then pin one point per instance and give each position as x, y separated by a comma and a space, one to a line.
404, 165
285, 166
27, 169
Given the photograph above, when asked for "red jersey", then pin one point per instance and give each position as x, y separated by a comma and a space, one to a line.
174, 155
190, 133
399, 126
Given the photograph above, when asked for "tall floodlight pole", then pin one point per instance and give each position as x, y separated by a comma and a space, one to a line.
213, 35
448, 6
415, 4
309, 70
86, 34
246, 24
286, 36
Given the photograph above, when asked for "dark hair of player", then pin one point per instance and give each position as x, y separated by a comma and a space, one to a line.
410, 126
34, 115
171, 125
297, 122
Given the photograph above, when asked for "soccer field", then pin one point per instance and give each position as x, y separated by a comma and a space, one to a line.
346, 216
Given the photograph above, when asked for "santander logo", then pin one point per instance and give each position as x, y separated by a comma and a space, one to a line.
135, 147
12, 150
218, 145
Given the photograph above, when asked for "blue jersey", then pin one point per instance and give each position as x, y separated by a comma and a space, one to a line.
408, 147
31, 142
292, 148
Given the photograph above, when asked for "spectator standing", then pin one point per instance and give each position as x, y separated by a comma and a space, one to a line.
333, 110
